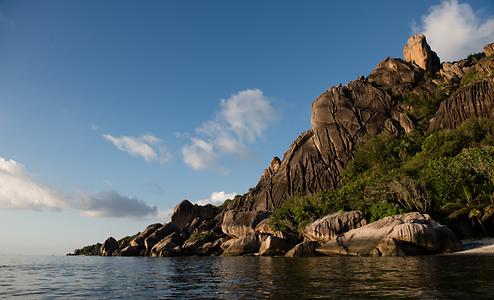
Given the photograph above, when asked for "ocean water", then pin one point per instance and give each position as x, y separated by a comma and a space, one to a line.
430, 277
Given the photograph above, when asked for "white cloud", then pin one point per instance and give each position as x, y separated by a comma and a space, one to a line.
454, 30
199, 155
147, 146
242, 119
216, 198
112, 204
19, 190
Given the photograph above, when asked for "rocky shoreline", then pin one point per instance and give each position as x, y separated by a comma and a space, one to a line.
342, 117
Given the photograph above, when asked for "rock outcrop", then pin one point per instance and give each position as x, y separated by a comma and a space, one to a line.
472, 101
331, 226
405, 234
185, 212
489, 49
418, 52
109, 246
241, 223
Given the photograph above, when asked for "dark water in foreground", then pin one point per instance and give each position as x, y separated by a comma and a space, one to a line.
445, 277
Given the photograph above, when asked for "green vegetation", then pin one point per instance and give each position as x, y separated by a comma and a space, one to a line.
446, 173
89, 250
196, 236
471, 77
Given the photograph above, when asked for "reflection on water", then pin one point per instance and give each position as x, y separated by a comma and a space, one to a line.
247, 277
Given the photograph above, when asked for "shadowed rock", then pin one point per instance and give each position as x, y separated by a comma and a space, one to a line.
273, 245
244, 245
185, 212
304, 249
108, 247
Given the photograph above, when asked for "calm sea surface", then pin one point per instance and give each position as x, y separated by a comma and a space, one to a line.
445, 277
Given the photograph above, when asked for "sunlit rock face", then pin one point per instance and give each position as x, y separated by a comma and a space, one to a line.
418, 52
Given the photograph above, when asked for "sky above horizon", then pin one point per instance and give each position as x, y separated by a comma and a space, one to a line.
112, 112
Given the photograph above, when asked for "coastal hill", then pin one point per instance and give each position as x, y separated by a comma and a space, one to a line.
387, 157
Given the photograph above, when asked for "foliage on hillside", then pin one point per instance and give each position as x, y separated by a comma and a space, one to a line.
446, 173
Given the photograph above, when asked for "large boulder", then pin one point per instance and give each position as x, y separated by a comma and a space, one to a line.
244, 245
240, 223
331, 226
108, 247
418, 52
273, 245
168, 246
138, 241
304, 249
406, 234
185, 212
129, 251
157, 236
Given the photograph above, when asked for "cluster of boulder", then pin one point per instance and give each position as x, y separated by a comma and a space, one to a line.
192, 232
342, 117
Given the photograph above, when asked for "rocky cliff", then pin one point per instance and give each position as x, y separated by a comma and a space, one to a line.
343, 115
398, 96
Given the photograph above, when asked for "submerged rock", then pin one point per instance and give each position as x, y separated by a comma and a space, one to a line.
406, 234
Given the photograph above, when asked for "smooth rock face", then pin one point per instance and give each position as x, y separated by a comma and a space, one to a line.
331, 226
108, 247
405, 234
417, 51
244, 245
241, 223
272, 246
185, 212
304, 249
472, 101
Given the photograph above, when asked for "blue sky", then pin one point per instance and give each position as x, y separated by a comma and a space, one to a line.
111, 112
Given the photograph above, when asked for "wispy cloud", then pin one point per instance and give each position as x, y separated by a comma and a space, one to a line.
146, 146
241, 120
454, 30
112, 204
18, 189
